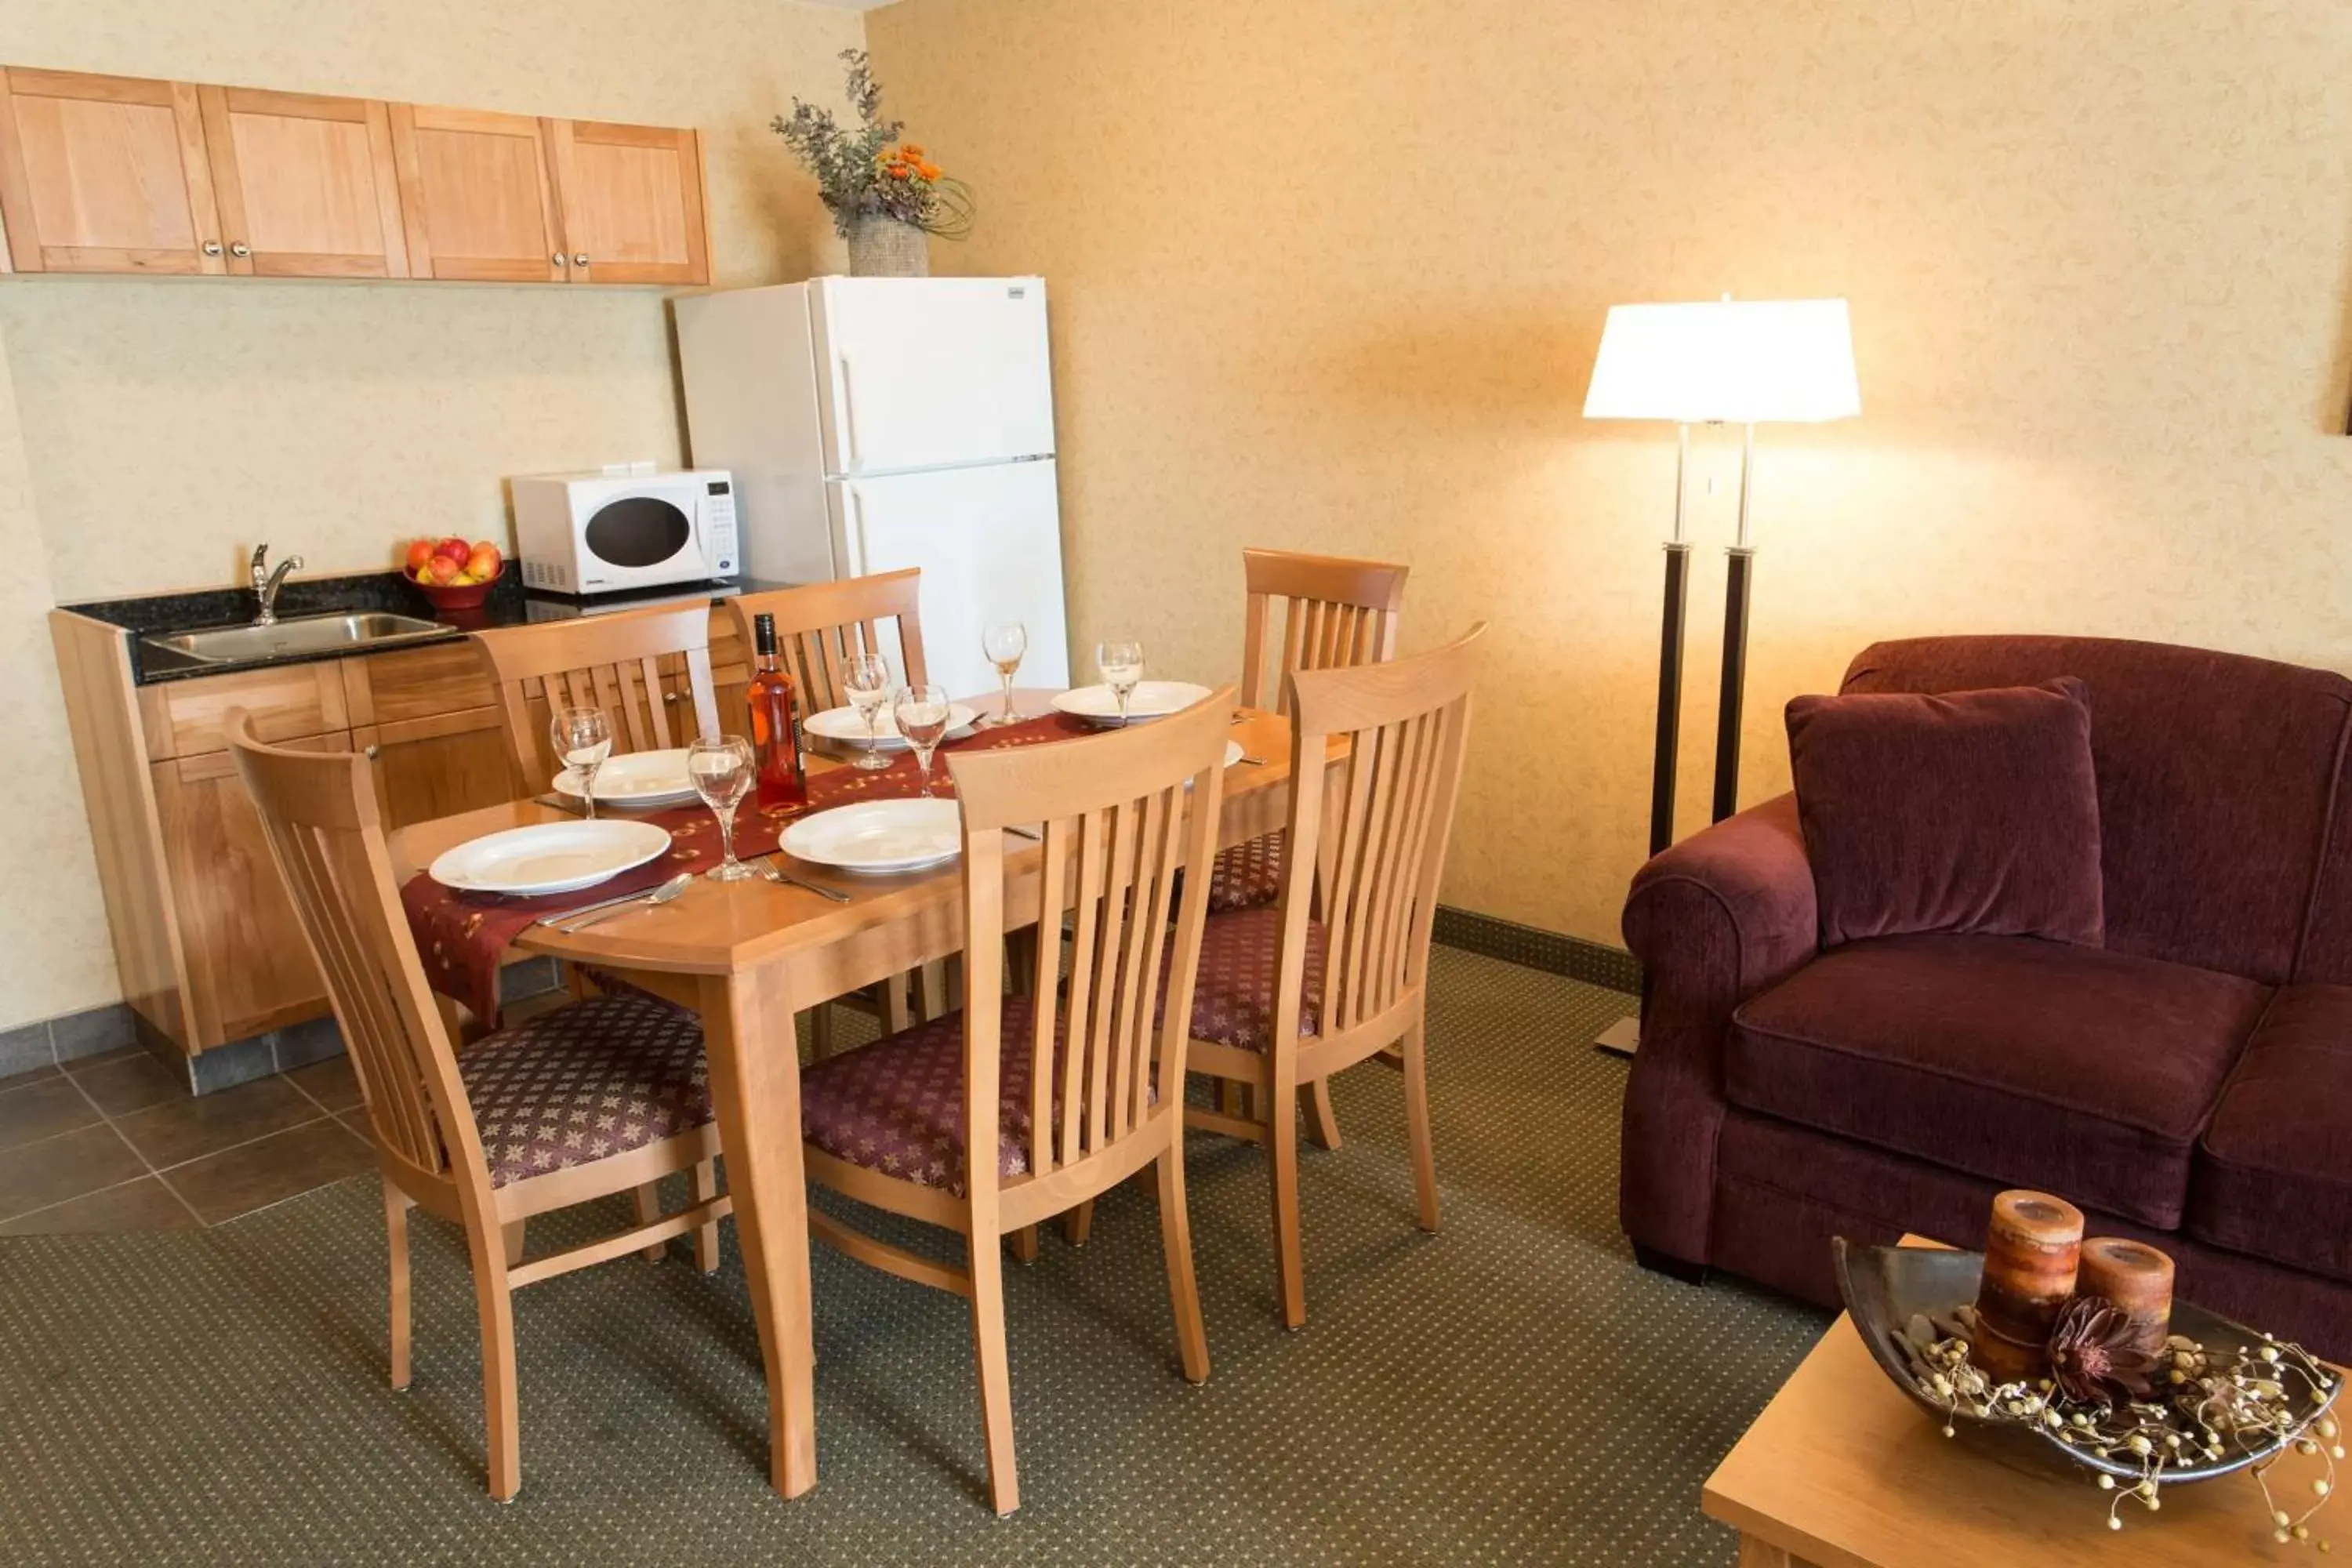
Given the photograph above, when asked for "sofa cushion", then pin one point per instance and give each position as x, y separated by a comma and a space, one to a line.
2080, 1071
1969, 812
2274, 1169
2216, 773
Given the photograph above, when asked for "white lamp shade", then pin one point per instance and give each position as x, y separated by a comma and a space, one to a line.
1736, 362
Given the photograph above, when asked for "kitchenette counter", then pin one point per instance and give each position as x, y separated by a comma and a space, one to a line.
154, 614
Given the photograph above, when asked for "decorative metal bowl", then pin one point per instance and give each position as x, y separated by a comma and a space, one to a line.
1885, 1287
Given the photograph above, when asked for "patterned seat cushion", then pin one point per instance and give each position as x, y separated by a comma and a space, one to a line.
1233, 1001
584, 1083
897, 1106
1248, 875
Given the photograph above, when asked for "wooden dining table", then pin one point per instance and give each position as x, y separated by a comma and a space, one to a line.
748, 956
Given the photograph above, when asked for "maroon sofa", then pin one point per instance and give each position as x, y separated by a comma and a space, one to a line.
2190, 1083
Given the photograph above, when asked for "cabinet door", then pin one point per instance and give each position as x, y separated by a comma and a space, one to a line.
437, 766
103, 174
474, 193
307, 185
249, 968
631, 202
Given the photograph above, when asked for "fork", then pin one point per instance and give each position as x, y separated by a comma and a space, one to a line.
775, 873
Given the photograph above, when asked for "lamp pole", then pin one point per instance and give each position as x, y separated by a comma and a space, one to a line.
1741, 561
1670, 659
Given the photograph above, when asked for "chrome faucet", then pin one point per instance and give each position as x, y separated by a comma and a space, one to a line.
267, 579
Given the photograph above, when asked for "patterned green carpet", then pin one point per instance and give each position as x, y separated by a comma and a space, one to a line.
1513, 1390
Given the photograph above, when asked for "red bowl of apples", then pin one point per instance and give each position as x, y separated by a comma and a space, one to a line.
452, 574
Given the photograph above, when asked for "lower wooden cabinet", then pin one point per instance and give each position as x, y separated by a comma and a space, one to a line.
248, 968
437, 766
206, 939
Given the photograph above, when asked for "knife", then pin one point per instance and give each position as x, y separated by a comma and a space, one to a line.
592, 909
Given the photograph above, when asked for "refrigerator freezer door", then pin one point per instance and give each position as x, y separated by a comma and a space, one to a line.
927, 372
989, 542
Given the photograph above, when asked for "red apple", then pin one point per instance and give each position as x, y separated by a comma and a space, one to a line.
444, 568
454, 548
484, 563
420, 550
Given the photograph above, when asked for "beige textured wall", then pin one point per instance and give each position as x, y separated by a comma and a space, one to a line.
167, 425
1329, 274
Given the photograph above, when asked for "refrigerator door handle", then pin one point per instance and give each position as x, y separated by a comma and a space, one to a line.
848, 420
858, 532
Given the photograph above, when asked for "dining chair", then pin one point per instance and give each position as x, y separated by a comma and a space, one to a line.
610, 661
1334, 613
991, 1120
1336, 972
591, 1100
821, 626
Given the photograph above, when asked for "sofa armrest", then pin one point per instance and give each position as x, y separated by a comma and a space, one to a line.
1714, 919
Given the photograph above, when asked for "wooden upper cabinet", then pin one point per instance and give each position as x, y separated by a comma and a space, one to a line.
631, 202
307, 185
474, 188
102, 173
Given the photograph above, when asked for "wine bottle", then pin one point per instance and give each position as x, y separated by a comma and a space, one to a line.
782, 774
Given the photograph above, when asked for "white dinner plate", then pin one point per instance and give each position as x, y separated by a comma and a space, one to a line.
551, 857
635, 779
1149, 700
878, 836
845, 727
1233, 756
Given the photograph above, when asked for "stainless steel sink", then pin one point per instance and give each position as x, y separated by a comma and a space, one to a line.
294, 638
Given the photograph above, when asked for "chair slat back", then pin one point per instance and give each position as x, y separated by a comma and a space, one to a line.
1336, 613
821, 626
325, 830
613, 662
1123, 815
1377, 845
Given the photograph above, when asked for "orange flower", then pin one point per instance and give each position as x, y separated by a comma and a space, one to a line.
930, 171
909, 150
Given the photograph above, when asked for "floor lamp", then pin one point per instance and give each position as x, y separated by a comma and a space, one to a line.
1724, 362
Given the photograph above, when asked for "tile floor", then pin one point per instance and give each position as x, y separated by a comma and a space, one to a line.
115, 1142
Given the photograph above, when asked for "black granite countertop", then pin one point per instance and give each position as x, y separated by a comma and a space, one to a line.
508, 604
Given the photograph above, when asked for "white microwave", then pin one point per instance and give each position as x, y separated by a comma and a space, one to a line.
604, 533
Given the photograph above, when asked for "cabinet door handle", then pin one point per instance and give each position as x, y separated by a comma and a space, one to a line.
212, 247
240, 250
669, 695
579, 258
557, 258
370, 751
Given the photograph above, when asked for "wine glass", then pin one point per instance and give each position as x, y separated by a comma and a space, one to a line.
1004, 643
1121, 664
721, 767
583, 738
922, 715
866, 679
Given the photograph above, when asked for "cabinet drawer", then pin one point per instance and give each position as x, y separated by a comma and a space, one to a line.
189, 718
418, 683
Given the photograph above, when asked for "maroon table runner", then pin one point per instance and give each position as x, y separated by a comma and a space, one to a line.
463, 937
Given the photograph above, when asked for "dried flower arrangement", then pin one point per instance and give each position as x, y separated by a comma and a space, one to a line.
873, 171
2145, 1412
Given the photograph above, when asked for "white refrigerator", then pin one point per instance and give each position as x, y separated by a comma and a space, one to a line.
878, 423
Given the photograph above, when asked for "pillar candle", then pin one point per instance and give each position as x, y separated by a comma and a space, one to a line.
2032, 1250
2136, 1279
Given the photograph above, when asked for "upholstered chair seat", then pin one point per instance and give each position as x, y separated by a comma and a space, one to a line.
897, 1105
584, 1083
1248, 875
1233, 1000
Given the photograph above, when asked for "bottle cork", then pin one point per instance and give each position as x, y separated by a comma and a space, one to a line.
2032, 1250
2135, 1279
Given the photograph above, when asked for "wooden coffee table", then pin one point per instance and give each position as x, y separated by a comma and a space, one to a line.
1842, 1471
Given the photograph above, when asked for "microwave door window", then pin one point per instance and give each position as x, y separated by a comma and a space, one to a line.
636, 531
